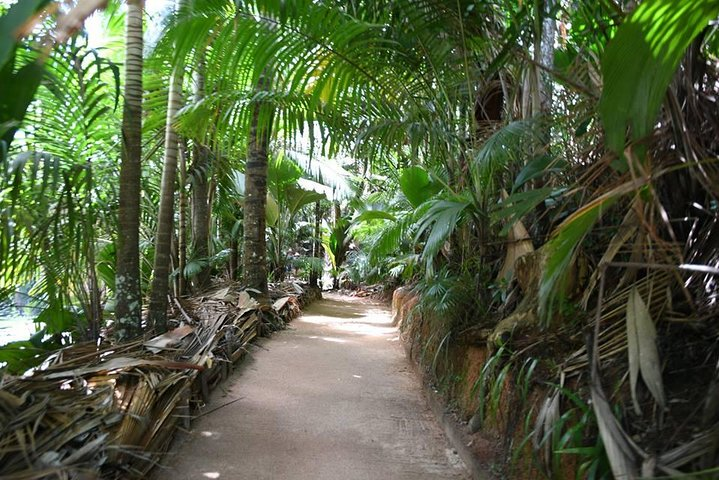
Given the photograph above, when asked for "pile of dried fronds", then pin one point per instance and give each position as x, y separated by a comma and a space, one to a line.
111, 411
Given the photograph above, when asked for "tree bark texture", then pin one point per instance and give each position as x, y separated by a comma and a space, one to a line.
544, 55
234, 258
341, 252
200, 182
546, 58
157, 315
128, 308
182, 221
316, 268
200, 212
255, 246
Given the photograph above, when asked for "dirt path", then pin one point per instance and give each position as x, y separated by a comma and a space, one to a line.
332, 398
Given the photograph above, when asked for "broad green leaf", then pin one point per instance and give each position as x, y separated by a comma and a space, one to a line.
416, 185
641, 59
282, 170
369, 215
534, 169
519, 204
21, 356
440, 220
297, 197
18, 89
272, 210
642, 350
57, 319
20, 13
566, 239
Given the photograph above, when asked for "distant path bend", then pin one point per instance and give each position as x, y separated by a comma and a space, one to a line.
331, 398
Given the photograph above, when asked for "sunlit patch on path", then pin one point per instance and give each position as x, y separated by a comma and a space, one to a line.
330, 398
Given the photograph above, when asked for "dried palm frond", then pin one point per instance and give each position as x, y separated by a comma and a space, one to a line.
111, 412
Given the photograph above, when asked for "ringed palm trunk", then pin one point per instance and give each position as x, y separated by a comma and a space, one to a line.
201, 212
157, 315
544, 55
182, 220
200, 193
316, 248
339, 253
255, 246
127, 280
234, 266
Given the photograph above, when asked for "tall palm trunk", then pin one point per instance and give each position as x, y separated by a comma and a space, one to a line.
157, 315
544, 55
340, 251
182, 223
316, 248
234, 266
200, 194
255, 246
127, 280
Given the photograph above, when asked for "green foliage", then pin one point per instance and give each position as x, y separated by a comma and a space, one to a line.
640, 61
417, 186
439, 221
336, 243
560, 434
566, 239
369, 215
449, 295
536, 168
508, 146
57, 191
18, 83
513, 208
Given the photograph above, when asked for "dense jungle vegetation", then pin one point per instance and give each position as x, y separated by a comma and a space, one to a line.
542, 173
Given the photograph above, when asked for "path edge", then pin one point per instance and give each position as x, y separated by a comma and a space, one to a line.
454, 431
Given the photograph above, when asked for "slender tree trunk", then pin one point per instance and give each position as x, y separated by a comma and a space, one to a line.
316, 248
128, 308
200, 176
172, 287
544, 55
95, 314
281, 265
339, 257
157, 315
182, 220
201, 211
234, 258
255, 245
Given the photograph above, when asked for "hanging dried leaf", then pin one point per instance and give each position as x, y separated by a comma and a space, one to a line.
619, 450
545, 425
642, 350
519, 243
626, 231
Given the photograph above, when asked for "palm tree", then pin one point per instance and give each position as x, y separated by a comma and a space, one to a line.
200, 182
316, 268
157, 313
254, 254
127, 281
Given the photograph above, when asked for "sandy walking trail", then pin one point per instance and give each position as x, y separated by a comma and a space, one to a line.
331, 398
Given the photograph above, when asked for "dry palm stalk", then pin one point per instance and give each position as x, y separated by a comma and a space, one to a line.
112, 412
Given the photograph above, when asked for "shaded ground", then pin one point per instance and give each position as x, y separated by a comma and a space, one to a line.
331, 398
